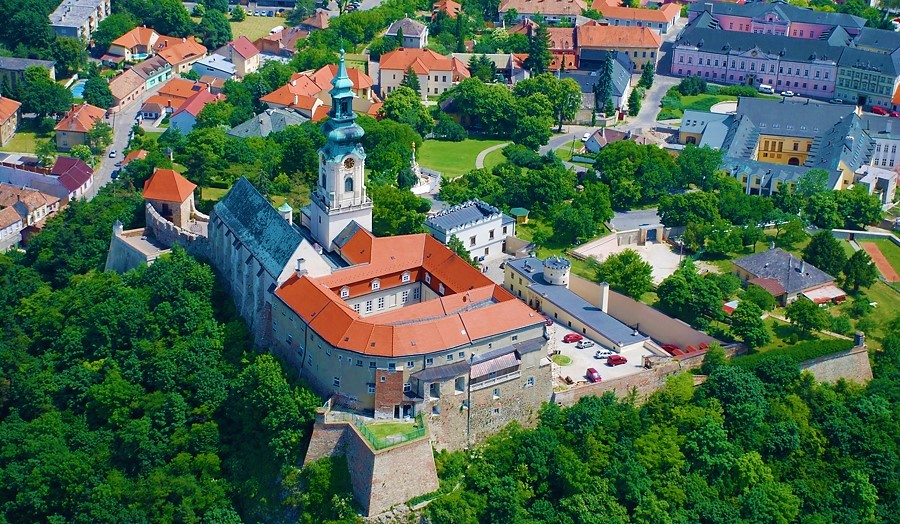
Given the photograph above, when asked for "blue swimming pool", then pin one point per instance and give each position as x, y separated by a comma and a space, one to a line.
78, 89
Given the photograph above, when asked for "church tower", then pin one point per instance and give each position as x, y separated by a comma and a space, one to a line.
340, 196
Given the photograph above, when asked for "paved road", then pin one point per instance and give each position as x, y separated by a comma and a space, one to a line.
650, 107
479, 160
121, 122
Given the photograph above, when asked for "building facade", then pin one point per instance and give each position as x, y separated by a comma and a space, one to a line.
12, 70
10, 111
72, 130
552, 11
415, 34
243, 54
641, 44
481, 228
437, 73
775, 18
79, 18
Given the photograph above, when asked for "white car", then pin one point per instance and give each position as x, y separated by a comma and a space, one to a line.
585, 137
112, 154
602, 353
787, 93
582, 344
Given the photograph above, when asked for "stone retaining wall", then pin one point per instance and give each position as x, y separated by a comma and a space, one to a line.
852, 365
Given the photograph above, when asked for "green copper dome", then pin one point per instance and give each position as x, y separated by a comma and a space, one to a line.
341, 129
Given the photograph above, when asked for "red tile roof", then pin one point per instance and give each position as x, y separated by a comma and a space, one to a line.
244, 47
8, 107
80, 119
137, 154
169, 186
545, 7
593, 34
197, 102
423, 61
8, 217
137, 36
179, 50
472, 308
666, 13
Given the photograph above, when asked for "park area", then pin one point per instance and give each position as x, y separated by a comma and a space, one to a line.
454, 159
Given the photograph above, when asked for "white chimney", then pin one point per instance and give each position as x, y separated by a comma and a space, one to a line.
604, 297
300, 270
117, 228
802, 266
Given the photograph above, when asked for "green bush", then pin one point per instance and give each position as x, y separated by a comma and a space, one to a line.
738, 91
218, 184
801, 352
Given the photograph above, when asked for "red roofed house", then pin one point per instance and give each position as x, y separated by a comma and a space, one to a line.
72, 130
185, 116
9, 119
137, 154
180, 53
170, 97
308, 93
552, 11
641, 44
437, 73
448, 7
243, 54
282, 43
318, 20
74, 175
171, 195
134, 45
660, 20
23, 211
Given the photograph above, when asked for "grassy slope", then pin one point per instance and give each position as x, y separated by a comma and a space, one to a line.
453, 159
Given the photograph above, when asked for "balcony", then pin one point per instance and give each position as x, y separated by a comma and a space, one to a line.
495, 380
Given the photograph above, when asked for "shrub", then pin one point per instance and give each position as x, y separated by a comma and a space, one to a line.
737, 91
841, 325
447, 129
806, 350
692, 85
218, 184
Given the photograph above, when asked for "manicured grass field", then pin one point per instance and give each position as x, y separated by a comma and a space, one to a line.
561, 360
452, 159
212, 193
579, 267
696, 102
25, 139
494, 158
890, 251
386, 429
253, 27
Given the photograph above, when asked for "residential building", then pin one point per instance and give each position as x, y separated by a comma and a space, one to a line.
12, 70
316, 22
130, 85
437, 73
137, 154
553, 11
216, 66
867, 78
448, 7
308, 92
184, 118
544, 286
23, 212
68, 179
74, 126
283, 43
787, 277
415, 34
589, 68
9, 119
878, 181
180, 53
133, 46
776, 18
74, 175
877, 40
510, 65
770, 143
79, 18
605, 136
269, 121
243, 54
641, 44
170, 96
481, 228
216, 84
886, 134
661, 20
11, 226
154, 70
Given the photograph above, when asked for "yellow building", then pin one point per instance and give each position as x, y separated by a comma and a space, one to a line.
792, 151
641, 44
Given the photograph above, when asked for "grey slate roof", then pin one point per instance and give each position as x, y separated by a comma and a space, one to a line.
258, 226
576, 306
461, 215
784, 10
869, 61
589, 67
782, 117
442, 373
734, 42
887, 41
783, 267
269, 121
880, 126
409, 26
8, 63
713, 126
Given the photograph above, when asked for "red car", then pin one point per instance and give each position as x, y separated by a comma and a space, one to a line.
572, 337
593, 375
548, 321
879, 110
894, 114
616, 360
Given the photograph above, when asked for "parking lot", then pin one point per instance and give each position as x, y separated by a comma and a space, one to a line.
584, 358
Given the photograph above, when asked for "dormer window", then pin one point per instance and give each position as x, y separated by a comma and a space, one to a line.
404, 277
428, 278
441, 289
345, 292
376, 285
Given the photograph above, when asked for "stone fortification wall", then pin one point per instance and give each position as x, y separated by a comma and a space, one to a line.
122, 256
169, 234
852, 365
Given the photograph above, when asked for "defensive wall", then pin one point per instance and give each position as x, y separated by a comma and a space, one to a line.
169, 234
850, 234
852, 365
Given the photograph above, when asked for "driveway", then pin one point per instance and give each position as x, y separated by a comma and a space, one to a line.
121, 122
650, 107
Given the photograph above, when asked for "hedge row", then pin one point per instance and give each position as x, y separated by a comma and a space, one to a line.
800, 352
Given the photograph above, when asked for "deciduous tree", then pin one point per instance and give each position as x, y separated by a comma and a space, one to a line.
806, 315
747, 323
626, 272
97, 92
859, 271
825, 252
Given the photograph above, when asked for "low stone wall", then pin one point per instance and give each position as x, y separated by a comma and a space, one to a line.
644, 383
122, 256
852, 365
581, 252
847, 234
169, 234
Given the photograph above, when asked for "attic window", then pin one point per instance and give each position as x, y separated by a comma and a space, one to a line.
345, 292
405, 277
376, 285
428, 278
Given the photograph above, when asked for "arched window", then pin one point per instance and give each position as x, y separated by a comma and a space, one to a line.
348, 185
376, 285
345, 292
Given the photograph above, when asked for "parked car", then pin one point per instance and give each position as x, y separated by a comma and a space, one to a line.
835, 101
787, 93
879, 110
616, 360
112, 153
572, 337
602, 354
585, 137
114, 175
583, 344
593, 375
548, 321
894, 114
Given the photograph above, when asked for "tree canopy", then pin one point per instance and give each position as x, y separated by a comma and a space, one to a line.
626, 272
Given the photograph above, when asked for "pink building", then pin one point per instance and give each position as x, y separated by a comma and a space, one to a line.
806, 67
776, 18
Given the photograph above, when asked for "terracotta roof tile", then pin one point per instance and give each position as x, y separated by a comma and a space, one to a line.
197, 102
167, 185
125, 84
244, 47
80, 118
8, 217
666, 13
135, 37
593, 34
137, 154
545, 7
179, 50
8, 108
422, 61
319, 20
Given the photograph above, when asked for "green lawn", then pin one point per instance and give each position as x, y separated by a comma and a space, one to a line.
564, 152
153, 134
212, 193
253, 27
889, 249
579, 267
382, 430
724, 264
494, 158
453, 159
26, 138
695, 102
848, 249
888, 301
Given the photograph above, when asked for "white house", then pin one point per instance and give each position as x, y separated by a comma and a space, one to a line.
415, 34
482, 228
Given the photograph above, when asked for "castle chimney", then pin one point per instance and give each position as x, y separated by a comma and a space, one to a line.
604, 297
